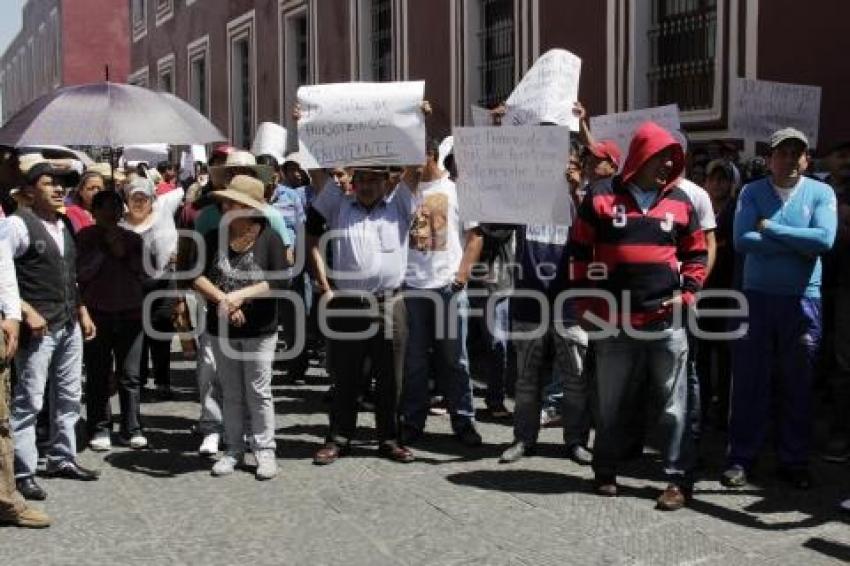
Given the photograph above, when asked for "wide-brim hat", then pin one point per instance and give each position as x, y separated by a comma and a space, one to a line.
245, 160
244, 190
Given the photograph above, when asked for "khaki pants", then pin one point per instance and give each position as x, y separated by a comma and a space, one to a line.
11, 501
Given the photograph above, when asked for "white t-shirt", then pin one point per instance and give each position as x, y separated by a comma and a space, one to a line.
702, 203
436, 247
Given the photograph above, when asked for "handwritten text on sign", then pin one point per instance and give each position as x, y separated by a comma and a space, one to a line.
362, 123
621, 127
759, 108
513, 175
547, 92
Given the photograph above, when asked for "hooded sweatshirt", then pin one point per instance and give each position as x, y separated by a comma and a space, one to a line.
619, 248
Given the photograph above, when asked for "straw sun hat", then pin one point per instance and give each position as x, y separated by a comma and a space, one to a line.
244, 190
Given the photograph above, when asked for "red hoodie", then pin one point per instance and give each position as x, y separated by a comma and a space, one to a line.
640, 252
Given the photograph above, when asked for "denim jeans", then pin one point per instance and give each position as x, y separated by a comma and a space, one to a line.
58, 354
449, 354
568, 353
247, 387
624, 363
495, 362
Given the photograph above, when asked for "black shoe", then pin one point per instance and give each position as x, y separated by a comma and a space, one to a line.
515, 452
71, 471
30, 489
798, 478
468, 436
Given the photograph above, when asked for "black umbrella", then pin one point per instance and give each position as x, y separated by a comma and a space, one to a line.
108, 114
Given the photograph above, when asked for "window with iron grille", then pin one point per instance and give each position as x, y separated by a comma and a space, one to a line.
683, 42
381, 40
497, 51
302, 54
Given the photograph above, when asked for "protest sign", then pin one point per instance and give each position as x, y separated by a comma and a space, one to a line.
270, 139
621, 127
547, 92
513, 175
759, 108
349, 124
481, 117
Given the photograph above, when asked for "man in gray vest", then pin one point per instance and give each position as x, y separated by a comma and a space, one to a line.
55, 323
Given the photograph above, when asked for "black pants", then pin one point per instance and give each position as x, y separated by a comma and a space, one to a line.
346, 365
115, 336
160, 350
297, 366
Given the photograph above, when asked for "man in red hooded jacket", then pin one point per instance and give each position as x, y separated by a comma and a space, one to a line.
632, 233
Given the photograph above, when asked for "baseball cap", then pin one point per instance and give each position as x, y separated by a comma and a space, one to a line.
607, 149
786, 134
141, 185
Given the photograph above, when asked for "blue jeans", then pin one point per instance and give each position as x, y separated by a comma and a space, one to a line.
58, 354
623, 363
453, 378
495, 362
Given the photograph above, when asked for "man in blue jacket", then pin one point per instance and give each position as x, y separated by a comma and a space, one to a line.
783, 224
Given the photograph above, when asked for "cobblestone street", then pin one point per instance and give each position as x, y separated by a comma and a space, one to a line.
161, 506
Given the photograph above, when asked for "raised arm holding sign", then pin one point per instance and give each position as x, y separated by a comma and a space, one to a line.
350, 124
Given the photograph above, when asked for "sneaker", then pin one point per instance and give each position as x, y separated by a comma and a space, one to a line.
550, 417
735, 476
266, 465
102, 442
837, 451
249, 460
515, 452
136, 441
209, 447
226, 465
580, 455
438, 407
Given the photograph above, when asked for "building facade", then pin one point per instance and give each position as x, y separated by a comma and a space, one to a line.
62, 43
240, 62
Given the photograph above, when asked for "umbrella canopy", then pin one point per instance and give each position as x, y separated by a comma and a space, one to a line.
108, 114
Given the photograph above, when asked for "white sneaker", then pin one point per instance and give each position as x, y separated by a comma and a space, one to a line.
225, 465
209, 447
249, 460
102, 442
138, 441
266, 465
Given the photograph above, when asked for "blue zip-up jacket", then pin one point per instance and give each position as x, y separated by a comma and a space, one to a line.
784, 258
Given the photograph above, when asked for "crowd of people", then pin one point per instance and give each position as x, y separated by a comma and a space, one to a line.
667, 302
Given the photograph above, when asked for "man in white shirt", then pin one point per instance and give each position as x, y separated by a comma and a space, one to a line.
13, 508
438, 268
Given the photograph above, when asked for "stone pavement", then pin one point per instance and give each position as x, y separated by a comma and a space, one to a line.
453, 506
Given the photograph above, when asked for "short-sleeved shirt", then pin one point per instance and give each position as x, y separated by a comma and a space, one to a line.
369, 245
230, 271
290, 204
702, 204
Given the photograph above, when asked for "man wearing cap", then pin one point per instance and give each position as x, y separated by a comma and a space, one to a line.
369, 237
837, 285
55, 323
782, 225
602, 160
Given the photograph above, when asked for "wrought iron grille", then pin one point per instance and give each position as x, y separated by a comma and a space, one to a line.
302, 54
683, 46
497, 51
382, 40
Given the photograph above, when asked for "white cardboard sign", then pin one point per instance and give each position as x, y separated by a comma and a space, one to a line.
513, 175
349, 124
759, 108
622, 126
547, 93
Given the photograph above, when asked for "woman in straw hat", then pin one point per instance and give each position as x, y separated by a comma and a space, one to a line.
243, 260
